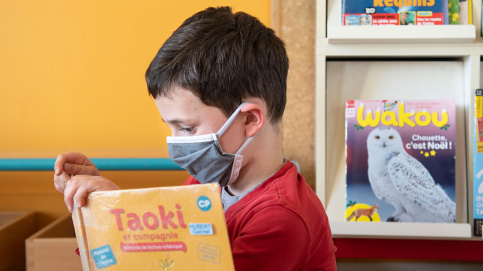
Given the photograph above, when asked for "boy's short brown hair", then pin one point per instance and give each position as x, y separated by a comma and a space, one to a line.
223, 58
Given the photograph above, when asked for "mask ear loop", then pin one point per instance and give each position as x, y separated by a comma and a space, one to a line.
227, 124
240, 150
238, 157
230, 120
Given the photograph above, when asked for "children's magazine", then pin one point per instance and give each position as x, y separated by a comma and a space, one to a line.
395, 12
478, 165
400, 161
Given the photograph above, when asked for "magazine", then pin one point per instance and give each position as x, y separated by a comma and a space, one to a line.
403, 12
400, 161
478, 165
168, 228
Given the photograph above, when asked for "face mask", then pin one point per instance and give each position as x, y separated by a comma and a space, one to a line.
203, 157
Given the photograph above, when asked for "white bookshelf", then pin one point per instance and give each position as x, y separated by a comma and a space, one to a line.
401, 230
394, 34
457, 48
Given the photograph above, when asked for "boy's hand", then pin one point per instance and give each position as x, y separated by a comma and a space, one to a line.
80, 186
87, 179
72, 163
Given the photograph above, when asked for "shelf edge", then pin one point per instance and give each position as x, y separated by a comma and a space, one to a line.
401, 230
401, 34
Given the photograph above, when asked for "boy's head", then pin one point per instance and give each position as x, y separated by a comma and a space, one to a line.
223, 58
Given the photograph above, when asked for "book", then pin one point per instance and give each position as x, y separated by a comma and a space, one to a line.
454, 12
478, 165
400, 161
167, 228
470, 12
403, 12
463, 11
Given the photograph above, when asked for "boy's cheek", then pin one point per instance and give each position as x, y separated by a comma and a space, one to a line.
229, 144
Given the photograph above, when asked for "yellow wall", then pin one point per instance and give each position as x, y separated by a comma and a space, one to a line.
72, 78
72, 73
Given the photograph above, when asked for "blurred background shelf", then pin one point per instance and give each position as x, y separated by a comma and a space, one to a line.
395, 34
401, 230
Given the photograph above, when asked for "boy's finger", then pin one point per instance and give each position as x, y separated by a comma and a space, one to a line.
80, 196
60, 181
80, 169
73, 158
69, 203
69, 192
59, 164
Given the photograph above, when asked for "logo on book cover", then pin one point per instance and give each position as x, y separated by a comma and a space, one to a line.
388, 117
103, 256
166, 264
204, 203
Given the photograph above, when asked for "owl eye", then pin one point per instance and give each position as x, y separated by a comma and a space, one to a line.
391, 137
377, 137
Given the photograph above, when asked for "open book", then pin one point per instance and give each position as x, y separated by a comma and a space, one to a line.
168, 228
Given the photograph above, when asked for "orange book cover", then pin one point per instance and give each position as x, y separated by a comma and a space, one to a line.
167, 228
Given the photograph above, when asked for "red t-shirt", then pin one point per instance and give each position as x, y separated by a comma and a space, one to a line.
281, 225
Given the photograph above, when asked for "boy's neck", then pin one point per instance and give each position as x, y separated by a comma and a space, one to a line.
265, 159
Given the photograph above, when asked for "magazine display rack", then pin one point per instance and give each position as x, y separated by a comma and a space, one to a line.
387, 34
461, 45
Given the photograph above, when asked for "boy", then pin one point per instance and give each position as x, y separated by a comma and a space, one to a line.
219, 82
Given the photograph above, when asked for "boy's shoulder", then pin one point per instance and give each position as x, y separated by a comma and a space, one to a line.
287, 189
285, 205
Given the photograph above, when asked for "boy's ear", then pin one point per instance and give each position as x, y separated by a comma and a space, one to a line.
255, 118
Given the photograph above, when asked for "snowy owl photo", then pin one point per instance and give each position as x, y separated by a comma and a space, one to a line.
402, 181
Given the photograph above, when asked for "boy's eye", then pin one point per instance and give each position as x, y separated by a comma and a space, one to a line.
187, 130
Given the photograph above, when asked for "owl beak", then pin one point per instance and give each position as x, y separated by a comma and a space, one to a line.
383, 144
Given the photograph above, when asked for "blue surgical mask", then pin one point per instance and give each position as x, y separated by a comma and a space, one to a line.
203, 157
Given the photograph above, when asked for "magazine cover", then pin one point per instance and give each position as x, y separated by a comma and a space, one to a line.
167, 228
403, 12
478, 165
400, 161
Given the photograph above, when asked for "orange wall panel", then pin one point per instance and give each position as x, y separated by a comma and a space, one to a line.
72, 79
72, 72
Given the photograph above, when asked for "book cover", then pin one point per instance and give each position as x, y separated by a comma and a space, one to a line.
402, 12
478, 165
167, 228
400, 161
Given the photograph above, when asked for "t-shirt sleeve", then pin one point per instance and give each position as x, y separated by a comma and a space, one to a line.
191, 181
275, 238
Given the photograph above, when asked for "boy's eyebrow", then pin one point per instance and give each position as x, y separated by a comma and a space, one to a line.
173, 121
